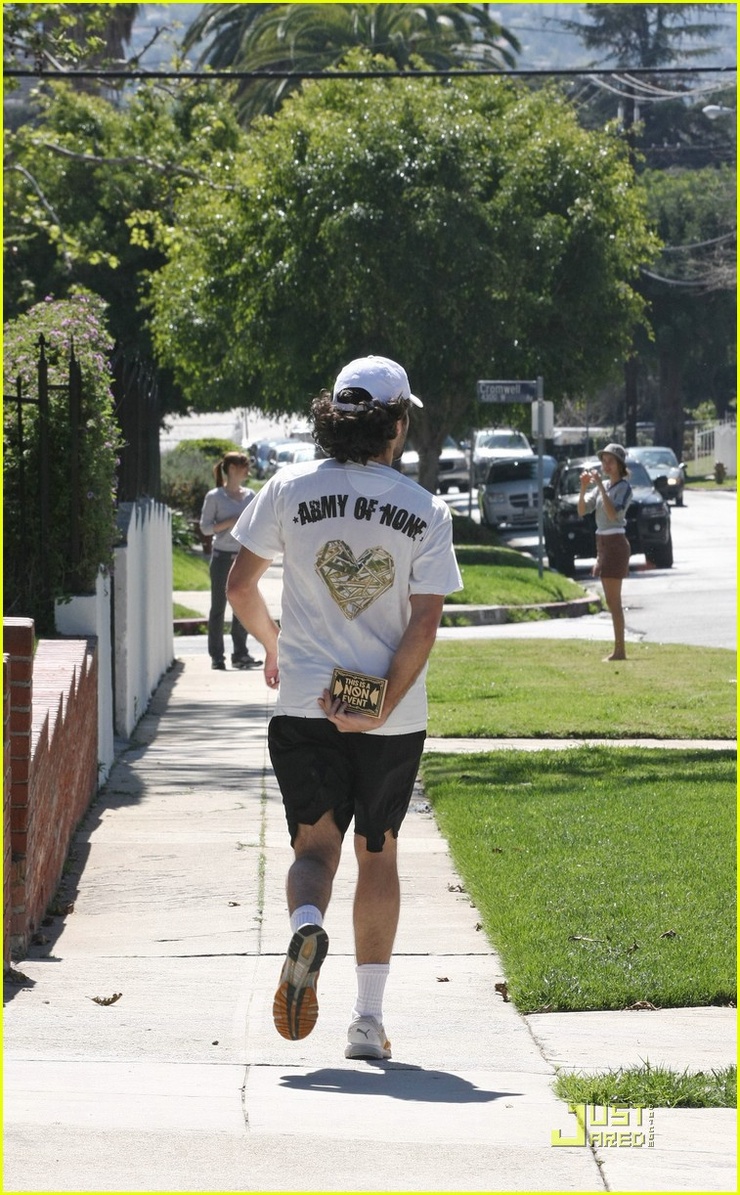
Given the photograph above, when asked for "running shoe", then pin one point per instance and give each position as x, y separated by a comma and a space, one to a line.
366, 1039
244, 662
295, 1008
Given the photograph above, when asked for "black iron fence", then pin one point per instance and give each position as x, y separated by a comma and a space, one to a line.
45, 492
28, 496
137, 411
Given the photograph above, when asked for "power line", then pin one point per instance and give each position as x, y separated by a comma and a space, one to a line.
646, 94
28, 73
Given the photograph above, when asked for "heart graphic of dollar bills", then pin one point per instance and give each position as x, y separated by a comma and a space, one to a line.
355, 582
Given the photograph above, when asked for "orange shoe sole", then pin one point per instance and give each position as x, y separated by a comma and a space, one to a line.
295, 1008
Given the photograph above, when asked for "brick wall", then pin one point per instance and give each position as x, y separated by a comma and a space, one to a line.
7, 854
53, 731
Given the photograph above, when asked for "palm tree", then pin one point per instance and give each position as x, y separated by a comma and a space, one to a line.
316, 37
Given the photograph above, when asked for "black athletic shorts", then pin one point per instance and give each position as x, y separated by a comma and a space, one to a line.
368, 777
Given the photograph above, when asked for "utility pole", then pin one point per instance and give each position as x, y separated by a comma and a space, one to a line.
630, 114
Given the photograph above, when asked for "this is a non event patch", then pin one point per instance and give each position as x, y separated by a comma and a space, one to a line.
362, 693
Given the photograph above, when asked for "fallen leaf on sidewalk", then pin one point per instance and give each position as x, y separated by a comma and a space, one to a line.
503, 991
106, 1000
442, 979
640, 1004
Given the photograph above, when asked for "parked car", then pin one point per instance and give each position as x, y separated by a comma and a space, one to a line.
497, 443
568, 536
509, 496
260, 453
452, 470
668, 477
289, 452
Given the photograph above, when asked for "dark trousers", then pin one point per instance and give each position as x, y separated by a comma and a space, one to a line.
221, 563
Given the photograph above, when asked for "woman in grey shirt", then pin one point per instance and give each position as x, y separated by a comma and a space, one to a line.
221, 509
609, 500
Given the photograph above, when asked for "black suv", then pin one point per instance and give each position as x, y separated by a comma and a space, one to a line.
568, 536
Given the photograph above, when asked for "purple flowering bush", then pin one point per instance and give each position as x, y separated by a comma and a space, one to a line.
40, 568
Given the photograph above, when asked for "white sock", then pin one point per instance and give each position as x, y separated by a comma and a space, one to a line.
371, 979
305, 915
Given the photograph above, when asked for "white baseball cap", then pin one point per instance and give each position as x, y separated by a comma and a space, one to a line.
384, 379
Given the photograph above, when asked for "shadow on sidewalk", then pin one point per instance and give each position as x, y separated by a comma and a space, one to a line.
395, 1079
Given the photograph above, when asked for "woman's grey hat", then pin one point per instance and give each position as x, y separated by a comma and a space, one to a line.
384, 379
615, 450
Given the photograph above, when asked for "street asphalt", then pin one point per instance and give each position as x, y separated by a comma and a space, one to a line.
140, 1053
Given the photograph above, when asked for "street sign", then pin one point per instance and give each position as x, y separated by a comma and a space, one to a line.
547, 410
507, 391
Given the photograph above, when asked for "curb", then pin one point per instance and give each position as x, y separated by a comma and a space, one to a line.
190, 626
495, 615
462, 615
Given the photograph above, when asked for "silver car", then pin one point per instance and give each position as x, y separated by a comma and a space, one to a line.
668, 477
452, 470
509, 497
495, 444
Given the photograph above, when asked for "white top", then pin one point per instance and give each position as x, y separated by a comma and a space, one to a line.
218, 506
621, 496
357, 542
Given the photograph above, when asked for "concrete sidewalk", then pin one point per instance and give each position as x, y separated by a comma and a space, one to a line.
182, 1084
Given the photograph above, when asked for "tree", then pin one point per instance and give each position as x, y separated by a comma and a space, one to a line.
85, 182
667, 131
61, 37
315, 37
691, 291
646, 35
469, 230
663, 125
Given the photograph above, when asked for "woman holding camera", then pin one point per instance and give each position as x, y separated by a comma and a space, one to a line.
609, 498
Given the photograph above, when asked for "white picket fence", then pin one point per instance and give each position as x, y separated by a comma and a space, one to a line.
717, 445
136, 646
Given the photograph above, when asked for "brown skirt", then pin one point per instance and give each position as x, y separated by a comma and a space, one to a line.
612, 556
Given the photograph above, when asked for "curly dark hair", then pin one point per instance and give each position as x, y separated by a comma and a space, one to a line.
355, 435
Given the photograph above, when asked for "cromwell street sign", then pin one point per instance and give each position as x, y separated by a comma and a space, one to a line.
521, 391
507, 391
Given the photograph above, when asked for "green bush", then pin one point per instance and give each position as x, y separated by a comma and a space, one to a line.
187, 476
183, 535
29, 561
466, 531
212, 448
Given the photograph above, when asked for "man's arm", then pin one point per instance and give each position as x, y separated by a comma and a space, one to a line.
247, 602
410, 657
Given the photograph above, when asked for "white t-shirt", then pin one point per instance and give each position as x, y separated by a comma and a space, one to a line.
620, 494
357, 541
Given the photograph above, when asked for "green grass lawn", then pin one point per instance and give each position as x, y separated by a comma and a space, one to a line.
493, 576
190, 570
602, 876
180, 611
487, 688
700, 476
502, 576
